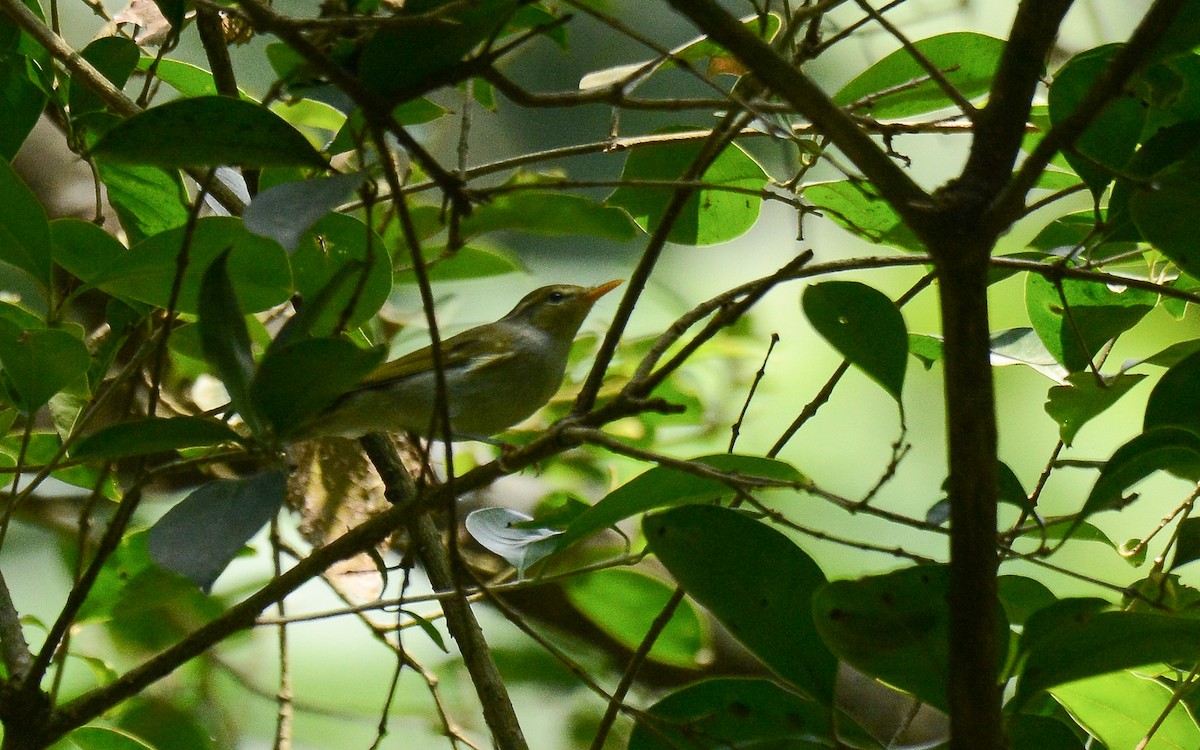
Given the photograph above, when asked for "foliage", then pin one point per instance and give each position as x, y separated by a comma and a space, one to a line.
279, 237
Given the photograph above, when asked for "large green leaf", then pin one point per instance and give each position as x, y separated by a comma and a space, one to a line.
725, 713
711, 215
753, 579
1163, 207
146, 272
39, 363
895, 627
1106, 642
865, 326
856, 206
202, 534
115, 57
1175, 399
661, 487
323, 250
886, 90
624, 604
1110, 140
1120, 708
549, 213
148, 200
207, 131
1075, 324
24, 230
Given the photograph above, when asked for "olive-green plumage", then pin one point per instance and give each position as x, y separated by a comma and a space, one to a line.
496, 374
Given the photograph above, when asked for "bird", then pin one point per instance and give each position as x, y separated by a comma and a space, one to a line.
496, 374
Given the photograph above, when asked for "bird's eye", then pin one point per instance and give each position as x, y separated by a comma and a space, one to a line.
556, 297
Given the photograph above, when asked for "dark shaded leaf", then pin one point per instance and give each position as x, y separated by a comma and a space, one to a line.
83, 248
1171, 449
23, 101
753, 579
207, 131
1175, 400
226, 342
725, 713
895, 627
1162, 209
864, 326
1029, 732
966, 59
145, 436
115, 57
624, 604
710, 216
1022, 596
1187, 543
202, 534
470, 262
1110, 140
661, 487
24, 231
549, 213
1074, 405
1106, 642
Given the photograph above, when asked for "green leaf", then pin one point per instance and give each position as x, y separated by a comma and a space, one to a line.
1187, 543
82, 248
662, 486
855, 206
285, 212
864, 326
470, 262
328, 246
189, 80
1022, 346
226, 342
146, 272
966, 59
1029, 732
1022, 596
1162, 208
1165, 148
1074, 405
22, 100
729, 712
115, 57
1120, 708
295, 382
895, 627
207, 131
927, 349
1105, 642
146, 436
1175, 400
624, 603
551, 214
148, 200
1110, 140
1093, 314
202, 534
105, 738
24, 231
710, 215
40, 363
753, 579
1070, 233
1171, 449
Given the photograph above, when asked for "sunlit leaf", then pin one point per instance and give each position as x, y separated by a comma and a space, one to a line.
1076, 319
1084, 398
856, 206
1119, 709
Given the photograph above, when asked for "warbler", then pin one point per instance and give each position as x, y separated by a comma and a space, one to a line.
496, 374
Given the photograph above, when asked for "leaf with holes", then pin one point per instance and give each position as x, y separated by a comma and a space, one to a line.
864, 326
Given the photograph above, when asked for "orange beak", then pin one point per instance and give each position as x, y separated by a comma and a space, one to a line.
597, 292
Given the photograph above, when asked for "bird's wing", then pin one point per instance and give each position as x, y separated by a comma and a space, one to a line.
457, 351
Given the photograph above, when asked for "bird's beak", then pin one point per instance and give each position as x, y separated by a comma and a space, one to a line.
597, 292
